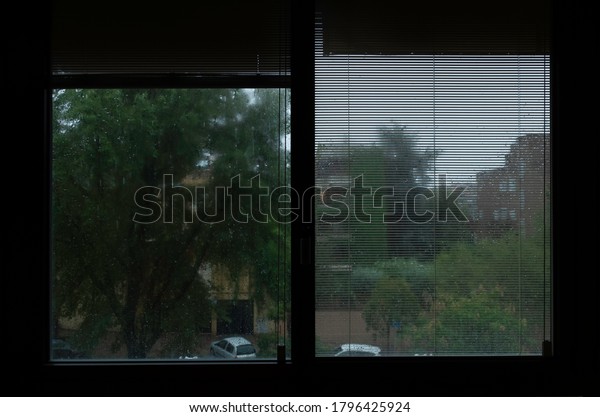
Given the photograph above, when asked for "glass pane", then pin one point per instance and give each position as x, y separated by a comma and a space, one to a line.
432, 232
167, 231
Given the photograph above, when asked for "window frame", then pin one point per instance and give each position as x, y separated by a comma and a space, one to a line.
340, 136
95, 81
575, 355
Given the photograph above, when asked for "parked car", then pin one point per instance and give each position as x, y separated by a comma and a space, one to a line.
235, 347
61, 349
357, 349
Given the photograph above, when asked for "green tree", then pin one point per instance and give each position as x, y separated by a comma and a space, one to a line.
371, 223
142, 277
481, 323
491, 297
418, 275
392, 303
407, 165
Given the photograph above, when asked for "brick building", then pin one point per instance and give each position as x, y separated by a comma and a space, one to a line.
513, 196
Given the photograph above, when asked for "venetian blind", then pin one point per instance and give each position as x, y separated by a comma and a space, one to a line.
433, 165
201, 38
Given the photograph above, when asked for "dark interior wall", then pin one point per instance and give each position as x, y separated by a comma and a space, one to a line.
25, 253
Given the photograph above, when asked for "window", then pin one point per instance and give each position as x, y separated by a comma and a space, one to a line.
410, 144
170, 168
167, 224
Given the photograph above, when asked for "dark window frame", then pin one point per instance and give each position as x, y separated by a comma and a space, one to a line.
25, 304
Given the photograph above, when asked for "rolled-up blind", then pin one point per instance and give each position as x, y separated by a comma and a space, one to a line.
231, 37
433, 166
456, 27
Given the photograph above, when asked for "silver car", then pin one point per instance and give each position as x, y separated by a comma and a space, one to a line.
357, 349
233, 348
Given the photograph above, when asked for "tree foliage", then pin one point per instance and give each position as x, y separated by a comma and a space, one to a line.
392, 302
142, 278
484, 297
488, 297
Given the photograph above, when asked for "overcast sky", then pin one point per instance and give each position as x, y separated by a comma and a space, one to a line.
469, 107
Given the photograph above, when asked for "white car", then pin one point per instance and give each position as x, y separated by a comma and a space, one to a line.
357, 349
233, 348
